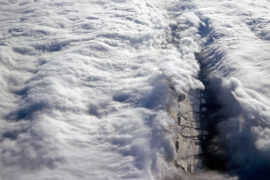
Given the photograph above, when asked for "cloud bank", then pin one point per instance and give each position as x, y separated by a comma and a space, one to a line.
235, 63
85, 86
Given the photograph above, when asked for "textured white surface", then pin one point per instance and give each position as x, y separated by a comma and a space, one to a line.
84, 84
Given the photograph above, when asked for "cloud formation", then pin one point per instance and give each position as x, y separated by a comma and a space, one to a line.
85, 89
85, 85
235, 67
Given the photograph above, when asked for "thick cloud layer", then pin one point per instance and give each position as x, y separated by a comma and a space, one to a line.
85, 85
85, 88
235, 65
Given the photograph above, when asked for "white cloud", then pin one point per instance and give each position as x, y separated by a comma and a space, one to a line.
85, 84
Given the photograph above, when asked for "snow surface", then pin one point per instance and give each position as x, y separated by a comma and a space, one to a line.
85, 85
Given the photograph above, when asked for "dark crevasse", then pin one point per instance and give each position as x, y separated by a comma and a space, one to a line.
229, 146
